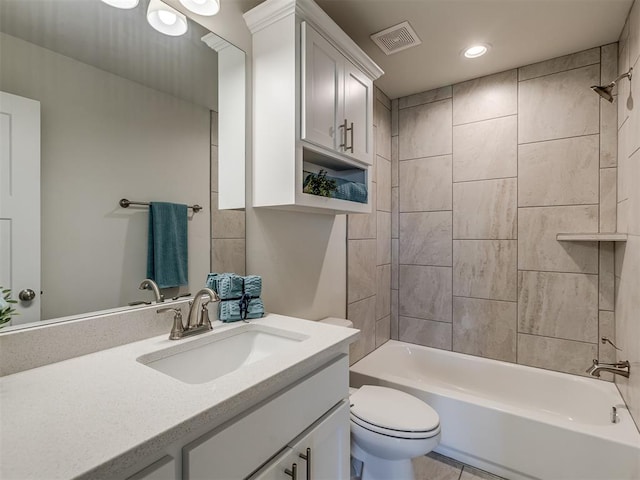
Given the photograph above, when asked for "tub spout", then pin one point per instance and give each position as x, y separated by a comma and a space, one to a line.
618, 368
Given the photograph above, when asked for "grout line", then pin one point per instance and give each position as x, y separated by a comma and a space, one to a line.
560, 71
555, 271
568, 205
485, 179
485, 120
558, 338
426, 319
485, 239
422, 158
425, 211
560, 138
487, 299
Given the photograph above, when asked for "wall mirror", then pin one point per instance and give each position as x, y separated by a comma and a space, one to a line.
119, 111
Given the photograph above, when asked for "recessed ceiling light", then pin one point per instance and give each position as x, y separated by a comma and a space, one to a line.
126, 4
476, 51
166, 19
202, 7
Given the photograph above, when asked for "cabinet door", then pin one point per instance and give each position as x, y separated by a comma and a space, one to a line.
322, 453
163, 469
280, 468
322, 69
358, 106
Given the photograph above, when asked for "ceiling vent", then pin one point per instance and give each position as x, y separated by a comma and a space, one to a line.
396, 38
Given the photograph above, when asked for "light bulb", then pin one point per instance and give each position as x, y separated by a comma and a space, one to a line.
125, 4
202, 7
166, 17
476, 51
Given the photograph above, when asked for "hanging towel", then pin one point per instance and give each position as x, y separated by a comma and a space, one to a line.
167, 257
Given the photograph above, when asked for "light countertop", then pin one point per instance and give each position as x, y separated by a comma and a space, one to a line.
97, 415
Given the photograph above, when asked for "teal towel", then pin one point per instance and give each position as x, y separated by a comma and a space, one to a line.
255, 309
352, 191
253, 285
229, 311
226, 285
167, 257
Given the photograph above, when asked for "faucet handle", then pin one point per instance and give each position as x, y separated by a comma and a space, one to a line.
178, 328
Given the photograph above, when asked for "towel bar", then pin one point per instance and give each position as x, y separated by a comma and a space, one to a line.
124, 203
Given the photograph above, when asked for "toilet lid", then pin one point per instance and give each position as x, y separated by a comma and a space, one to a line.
392, 409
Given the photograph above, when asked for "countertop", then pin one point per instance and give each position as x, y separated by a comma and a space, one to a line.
98, 415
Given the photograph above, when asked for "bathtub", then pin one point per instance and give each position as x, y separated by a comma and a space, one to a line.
514, 421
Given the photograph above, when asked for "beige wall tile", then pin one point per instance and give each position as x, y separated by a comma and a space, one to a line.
560, 64
485, 209
394, 116
425, 130
361, 270
395, 212
634, 33
363, 225
559, 105
383, 330
382, 97
395, 163
425, 292
634, 195
395, 264
425, 332
394, 314
485, 269
383, 249
228, 255
559, 305
363, 316
606, 353
486, 328
608, 134
487, 149
606, 276
556, 354
214, 128
383, 132
486, 97
559, 172
608, 179
226, 223
383, 173
383, 291
623, 66
214, 168
429, 96
608, 63
425, 184
425, 238
538, 248
631, 105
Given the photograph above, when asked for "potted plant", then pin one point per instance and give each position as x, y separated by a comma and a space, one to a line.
319, 184
6, 309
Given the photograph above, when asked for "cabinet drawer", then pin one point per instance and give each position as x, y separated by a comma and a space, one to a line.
238, 449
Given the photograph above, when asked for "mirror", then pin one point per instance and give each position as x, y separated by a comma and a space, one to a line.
121, 111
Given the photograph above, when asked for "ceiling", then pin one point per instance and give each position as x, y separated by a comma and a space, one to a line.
520, 32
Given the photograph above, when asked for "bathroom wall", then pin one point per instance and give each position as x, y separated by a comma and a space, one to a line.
369, 246
627, 255
489, 171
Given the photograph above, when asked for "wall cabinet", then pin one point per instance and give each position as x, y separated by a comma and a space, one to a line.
313, 109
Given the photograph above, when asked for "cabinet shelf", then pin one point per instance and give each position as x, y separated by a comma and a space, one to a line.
592, 237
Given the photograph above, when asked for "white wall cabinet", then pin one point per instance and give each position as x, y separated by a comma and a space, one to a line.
312, 108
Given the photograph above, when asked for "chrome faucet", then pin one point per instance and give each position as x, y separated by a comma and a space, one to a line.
148, 284
198, 314
618, 368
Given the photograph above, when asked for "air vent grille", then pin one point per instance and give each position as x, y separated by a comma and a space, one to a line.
397, 38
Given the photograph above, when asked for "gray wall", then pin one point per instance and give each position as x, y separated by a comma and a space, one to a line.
369, 246
489, 171
628, 255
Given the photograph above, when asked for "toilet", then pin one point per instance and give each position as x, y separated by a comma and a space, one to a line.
389, 428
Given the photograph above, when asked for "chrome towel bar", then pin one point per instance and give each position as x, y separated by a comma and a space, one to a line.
124, 203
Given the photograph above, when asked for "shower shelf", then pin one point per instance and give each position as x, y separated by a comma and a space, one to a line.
592, 237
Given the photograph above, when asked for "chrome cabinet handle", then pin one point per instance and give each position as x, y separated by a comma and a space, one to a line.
307, 457
350, 148
344, 128
293, 473
27, 295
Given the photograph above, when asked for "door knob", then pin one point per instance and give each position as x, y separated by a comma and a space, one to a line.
27, 295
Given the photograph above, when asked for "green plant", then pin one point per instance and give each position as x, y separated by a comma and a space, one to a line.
319, 184
6, 310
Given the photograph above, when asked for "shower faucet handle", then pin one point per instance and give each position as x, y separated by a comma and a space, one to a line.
605, 340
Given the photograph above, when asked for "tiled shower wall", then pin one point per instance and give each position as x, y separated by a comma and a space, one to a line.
488, 172
628, 254
369, 246
227, 226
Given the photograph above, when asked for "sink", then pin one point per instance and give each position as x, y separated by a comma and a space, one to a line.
217, 354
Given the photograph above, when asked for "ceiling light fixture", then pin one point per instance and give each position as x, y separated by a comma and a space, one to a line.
166, 19
125, 4
202, 7
476, 51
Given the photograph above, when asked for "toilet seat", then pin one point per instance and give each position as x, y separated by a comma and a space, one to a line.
393, 413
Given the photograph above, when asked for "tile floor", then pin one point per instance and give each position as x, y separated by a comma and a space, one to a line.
438, 467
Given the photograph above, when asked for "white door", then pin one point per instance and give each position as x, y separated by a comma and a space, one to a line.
322, 69
358, 102
20, 202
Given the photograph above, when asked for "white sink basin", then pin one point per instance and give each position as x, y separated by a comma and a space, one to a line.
215, 355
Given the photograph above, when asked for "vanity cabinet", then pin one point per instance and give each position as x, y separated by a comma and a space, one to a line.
313, 109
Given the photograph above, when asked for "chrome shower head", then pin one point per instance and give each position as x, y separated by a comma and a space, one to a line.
605, 90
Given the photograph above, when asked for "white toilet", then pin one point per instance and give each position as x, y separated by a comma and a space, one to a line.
388, 429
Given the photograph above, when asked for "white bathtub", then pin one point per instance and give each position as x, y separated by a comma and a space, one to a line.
515, 421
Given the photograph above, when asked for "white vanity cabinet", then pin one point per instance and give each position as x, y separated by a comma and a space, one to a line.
337, 100
312, 109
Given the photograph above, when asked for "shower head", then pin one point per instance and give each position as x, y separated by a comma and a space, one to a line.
605, 90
